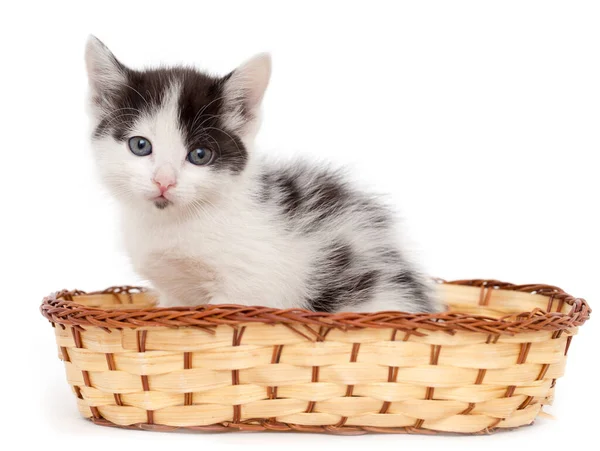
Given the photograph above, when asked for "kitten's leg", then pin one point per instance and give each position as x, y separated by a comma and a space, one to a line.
164, 300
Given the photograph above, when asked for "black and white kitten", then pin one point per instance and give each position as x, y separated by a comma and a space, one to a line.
206, 220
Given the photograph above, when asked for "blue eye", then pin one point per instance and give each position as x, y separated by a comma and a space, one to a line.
140, 146
200, 156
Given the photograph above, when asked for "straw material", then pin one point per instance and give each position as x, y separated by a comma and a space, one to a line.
481, 366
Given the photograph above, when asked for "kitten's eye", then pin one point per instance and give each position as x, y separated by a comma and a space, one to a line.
140, 146
200, 156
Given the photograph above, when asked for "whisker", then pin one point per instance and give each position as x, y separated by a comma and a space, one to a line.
119, 117
206, 117
121, 109
230, 137
199, 113
138, 93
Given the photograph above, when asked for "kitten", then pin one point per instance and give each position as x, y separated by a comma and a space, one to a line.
206, 220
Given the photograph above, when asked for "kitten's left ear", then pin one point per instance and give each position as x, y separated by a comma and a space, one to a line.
245, 88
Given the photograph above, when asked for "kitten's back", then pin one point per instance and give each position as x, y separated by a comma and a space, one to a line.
360, 263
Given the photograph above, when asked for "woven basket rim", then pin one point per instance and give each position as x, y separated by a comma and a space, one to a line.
60, 308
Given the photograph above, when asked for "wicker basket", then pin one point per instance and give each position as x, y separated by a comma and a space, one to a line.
481, 366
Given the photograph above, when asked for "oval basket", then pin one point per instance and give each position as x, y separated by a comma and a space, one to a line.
481, 366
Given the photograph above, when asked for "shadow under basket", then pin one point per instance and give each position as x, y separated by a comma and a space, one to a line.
481, 366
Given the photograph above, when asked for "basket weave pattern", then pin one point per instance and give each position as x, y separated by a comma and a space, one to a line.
481, 366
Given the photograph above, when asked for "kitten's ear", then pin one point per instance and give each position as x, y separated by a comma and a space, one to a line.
105, 73
245, 88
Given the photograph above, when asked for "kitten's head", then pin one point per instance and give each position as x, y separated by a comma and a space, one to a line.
172, 138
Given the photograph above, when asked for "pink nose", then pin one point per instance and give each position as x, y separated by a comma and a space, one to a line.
164, 178
163, 185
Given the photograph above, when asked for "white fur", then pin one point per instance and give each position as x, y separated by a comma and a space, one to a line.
217, 242
244, 257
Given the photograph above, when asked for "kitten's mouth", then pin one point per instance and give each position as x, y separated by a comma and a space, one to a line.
162, 202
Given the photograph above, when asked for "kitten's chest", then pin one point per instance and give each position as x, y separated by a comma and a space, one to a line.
239, 261
167, 250
197, 249
175, 264
186, 279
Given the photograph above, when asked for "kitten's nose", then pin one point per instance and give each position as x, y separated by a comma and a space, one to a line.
164, 178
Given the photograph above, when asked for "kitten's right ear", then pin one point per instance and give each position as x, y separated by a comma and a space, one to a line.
105, 72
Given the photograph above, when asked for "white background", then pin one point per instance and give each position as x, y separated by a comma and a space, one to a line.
480, 119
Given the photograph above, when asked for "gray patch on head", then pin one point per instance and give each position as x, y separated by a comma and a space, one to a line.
201, 111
